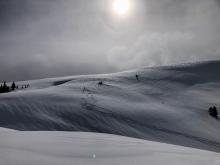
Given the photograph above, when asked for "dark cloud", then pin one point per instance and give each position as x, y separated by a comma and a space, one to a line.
15, 13
218, 2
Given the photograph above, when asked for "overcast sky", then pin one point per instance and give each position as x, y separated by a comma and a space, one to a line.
47, 38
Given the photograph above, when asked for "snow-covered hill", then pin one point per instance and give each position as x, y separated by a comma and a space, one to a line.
167, 104
55, 148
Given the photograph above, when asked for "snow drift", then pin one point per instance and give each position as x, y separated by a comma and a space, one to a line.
55, 148
167, 104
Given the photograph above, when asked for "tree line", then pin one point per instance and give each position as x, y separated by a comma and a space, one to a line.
4, 88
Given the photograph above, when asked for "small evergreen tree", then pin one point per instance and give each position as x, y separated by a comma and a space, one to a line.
137, 77
1, 88
213, 112
100, 83
13, 86
4, 89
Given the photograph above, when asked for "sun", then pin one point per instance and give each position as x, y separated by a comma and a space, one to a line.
121, 7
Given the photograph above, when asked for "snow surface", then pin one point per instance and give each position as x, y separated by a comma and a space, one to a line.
167, 104
76, 148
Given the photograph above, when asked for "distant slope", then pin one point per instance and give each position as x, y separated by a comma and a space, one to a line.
55, 148
167, 104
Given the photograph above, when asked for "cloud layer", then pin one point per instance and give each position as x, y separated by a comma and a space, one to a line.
48, 38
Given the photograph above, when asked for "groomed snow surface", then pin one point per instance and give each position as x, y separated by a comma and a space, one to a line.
166, 104
76, 148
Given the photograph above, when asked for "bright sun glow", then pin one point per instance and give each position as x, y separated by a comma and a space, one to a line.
121, 7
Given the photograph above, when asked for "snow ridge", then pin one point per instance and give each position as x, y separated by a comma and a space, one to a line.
167, 104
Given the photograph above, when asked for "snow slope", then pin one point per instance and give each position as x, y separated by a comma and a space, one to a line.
55, 148
168, 104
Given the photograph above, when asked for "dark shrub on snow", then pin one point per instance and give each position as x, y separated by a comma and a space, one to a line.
213, 112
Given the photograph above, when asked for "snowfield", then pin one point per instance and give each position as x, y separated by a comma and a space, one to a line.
76, 148
168, 104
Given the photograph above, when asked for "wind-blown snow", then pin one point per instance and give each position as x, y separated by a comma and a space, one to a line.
167, 104
55, 148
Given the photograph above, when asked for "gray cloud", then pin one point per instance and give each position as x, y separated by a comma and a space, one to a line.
47, 38
176, 32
